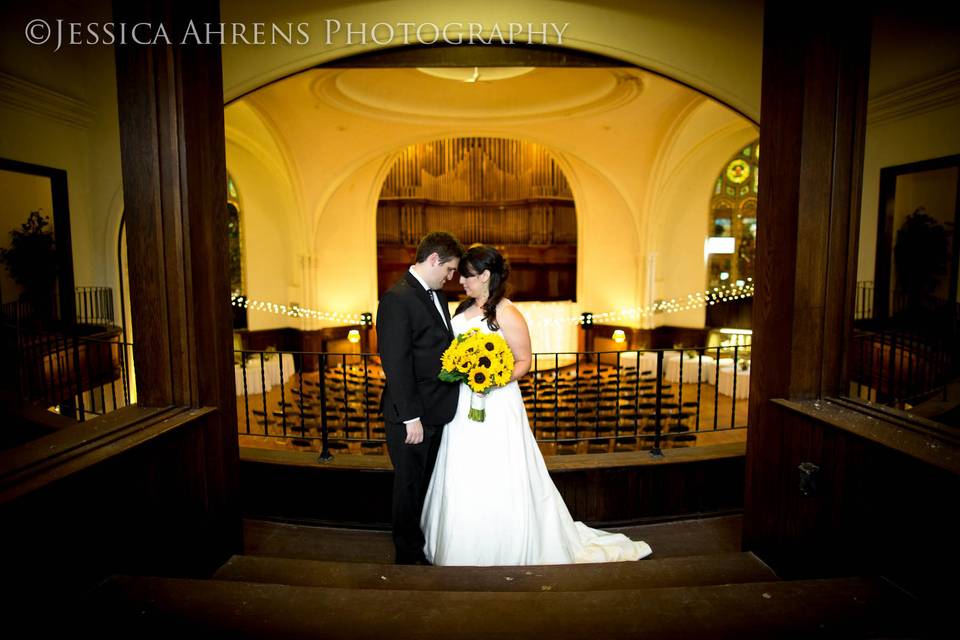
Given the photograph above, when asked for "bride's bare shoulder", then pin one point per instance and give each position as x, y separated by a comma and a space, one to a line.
509, 313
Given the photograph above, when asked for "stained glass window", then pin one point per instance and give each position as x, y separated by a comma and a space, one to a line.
733, 213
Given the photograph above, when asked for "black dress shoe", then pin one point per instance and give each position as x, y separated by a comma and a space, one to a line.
422, 560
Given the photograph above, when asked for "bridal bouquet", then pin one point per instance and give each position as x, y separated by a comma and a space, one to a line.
480, 360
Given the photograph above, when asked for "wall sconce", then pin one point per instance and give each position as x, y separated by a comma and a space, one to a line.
366, 319
353, 336
586, 319
619, 336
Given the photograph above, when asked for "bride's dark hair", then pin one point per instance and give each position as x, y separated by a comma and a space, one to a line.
480, 258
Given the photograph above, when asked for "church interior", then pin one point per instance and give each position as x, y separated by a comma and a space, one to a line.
750, 361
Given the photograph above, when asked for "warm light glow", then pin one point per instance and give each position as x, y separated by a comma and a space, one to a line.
475, 74
739, 332
353, 336
619, 336
720, 244
696, 300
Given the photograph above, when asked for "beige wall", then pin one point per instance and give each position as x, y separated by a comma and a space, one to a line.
22, 193
701, 142
273, 234
928, 135
691, 41
58, 109
643, 193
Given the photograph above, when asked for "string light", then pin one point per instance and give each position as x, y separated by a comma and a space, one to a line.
294, 311
739, 290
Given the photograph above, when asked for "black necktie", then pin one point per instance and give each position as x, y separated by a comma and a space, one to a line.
435, 295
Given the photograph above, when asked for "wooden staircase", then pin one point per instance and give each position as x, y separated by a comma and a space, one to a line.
296, 581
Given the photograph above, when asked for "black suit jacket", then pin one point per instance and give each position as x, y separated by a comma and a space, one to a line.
412, 338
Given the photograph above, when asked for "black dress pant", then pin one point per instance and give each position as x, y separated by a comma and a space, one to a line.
413, 465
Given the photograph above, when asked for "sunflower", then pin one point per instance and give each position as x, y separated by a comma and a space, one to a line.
449, 359
478, 381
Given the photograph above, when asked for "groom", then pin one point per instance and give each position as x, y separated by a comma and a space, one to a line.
413, 331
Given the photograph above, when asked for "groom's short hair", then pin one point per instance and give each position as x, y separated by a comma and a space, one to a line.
442, 243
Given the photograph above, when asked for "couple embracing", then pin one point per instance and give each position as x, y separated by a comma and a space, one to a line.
467, 492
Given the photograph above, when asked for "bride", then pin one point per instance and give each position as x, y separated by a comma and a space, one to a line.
490, 500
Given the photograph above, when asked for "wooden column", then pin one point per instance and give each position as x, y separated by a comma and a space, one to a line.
170, 100
813, 108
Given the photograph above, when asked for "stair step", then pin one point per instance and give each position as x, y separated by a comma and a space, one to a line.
849, 607
668, 572
669, 539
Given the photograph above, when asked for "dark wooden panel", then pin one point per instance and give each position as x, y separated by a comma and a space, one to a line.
537, 273
736, 314
170, 103
813, 105
312, 341
289, 487
875, 510
126, 493
665, 337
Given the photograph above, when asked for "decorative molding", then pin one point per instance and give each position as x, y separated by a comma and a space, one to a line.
37, 100
338, 91
940, 91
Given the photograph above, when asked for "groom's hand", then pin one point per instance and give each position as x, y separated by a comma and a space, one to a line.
414, 432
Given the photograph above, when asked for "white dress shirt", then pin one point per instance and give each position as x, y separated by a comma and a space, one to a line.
433, 296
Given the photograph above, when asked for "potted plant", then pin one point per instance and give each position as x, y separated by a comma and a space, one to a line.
920, 255
31, 260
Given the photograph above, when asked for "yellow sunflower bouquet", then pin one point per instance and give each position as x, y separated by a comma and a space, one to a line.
480, 360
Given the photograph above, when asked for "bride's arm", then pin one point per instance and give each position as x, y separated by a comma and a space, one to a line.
517, 335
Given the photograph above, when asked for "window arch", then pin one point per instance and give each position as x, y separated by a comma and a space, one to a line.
733, 215
235, 251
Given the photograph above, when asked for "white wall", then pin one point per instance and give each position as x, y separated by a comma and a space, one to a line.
274, 236
694, 152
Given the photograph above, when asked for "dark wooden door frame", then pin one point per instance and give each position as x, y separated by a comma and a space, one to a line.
61, 230
885, 230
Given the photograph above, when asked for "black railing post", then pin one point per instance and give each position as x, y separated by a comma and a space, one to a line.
78, 375
303, 400
556, 396
325, 455
576, 401
536, 386
636, 399
246, 396
616, 425
655, 451
596, 403
733, 392
699, 387
716, 390
283, 399
263, 396
366, 394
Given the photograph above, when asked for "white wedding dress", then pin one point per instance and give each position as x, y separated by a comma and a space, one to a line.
491, 501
